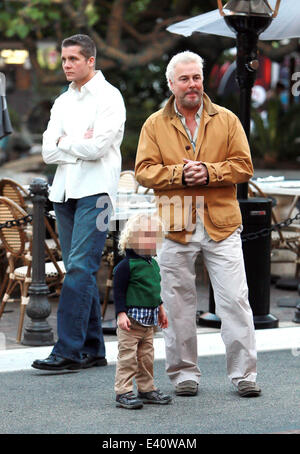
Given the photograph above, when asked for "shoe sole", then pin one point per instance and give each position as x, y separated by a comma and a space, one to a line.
156, 403
129, 407
55, 369
186, 393
250, 393
96, 363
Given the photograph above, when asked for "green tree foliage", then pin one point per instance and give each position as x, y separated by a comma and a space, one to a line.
278, 135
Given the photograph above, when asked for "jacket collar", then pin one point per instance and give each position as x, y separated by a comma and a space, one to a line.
131, 254
208, 106
92, 85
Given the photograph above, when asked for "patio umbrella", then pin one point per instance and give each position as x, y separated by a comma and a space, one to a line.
5, 124
286, 25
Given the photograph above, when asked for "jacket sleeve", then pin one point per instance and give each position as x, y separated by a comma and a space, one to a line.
108, 124
121, 277
150, 169
237, 168
51, 152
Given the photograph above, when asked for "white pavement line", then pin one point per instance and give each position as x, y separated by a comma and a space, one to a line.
208, 344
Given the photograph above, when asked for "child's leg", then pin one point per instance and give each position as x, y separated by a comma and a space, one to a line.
127, 360
145, 359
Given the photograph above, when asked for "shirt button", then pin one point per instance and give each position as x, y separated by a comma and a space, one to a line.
187, 147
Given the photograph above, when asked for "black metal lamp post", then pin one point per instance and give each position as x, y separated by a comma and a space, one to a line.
249, 18
38, 331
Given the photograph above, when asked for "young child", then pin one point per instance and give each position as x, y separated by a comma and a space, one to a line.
138, 309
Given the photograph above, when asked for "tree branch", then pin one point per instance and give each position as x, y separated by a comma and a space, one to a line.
278, 53
127, 60
78, 18
142, 38
114, 31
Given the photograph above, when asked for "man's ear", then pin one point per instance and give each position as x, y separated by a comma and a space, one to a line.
91, 61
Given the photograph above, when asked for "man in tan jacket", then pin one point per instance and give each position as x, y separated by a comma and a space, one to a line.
193, 153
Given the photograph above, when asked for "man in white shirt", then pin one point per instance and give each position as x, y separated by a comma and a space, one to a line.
83, 137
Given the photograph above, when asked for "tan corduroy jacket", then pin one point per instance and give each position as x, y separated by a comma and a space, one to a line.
221, 145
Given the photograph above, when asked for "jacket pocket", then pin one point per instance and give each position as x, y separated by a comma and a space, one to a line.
223, 216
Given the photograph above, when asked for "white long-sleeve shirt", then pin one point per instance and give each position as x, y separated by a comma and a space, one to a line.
85, 166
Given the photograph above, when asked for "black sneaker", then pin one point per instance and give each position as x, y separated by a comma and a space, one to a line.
128, 400
154, 397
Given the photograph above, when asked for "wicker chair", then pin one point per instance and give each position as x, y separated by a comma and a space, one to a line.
17, 243
287, 238
14, 191
128, 183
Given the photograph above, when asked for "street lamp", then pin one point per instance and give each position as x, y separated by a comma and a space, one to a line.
247, 19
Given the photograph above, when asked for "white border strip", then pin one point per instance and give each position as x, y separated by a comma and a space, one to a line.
208, 344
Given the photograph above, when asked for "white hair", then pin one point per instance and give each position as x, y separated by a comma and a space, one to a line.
183, 57
137, 223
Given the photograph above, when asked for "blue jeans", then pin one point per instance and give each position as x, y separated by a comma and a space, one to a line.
79, 313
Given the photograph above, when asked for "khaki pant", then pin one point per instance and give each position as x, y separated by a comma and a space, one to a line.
135, 359
225, 266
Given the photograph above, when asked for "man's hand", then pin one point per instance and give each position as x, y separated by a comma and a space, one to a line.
61, 137
88, 133
195, 173
123, 321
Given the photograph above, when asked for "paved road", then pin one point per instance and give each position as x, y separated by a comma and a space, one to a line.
36, 402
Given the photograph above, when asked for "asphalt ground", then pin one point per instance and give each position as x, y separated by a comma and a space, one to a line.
82, 403
35, 404
39, 402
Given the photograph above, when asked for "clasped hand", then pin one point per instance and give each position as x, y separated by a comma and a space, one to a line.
195, 173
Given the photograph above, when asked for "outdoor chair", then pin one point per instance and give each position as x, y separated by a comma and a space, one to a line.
17, 241
128, 183
286, 238
16, 192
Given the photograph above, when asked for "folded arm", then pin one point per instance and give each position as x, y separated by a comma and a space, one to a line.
107, 125
62, 148
51, 151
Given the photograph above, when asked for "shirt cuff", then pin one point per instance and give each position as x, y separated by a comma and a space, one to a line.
183, 179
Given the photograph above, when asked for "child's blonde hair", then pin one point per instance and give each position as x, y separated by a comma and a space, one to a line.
137, 223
